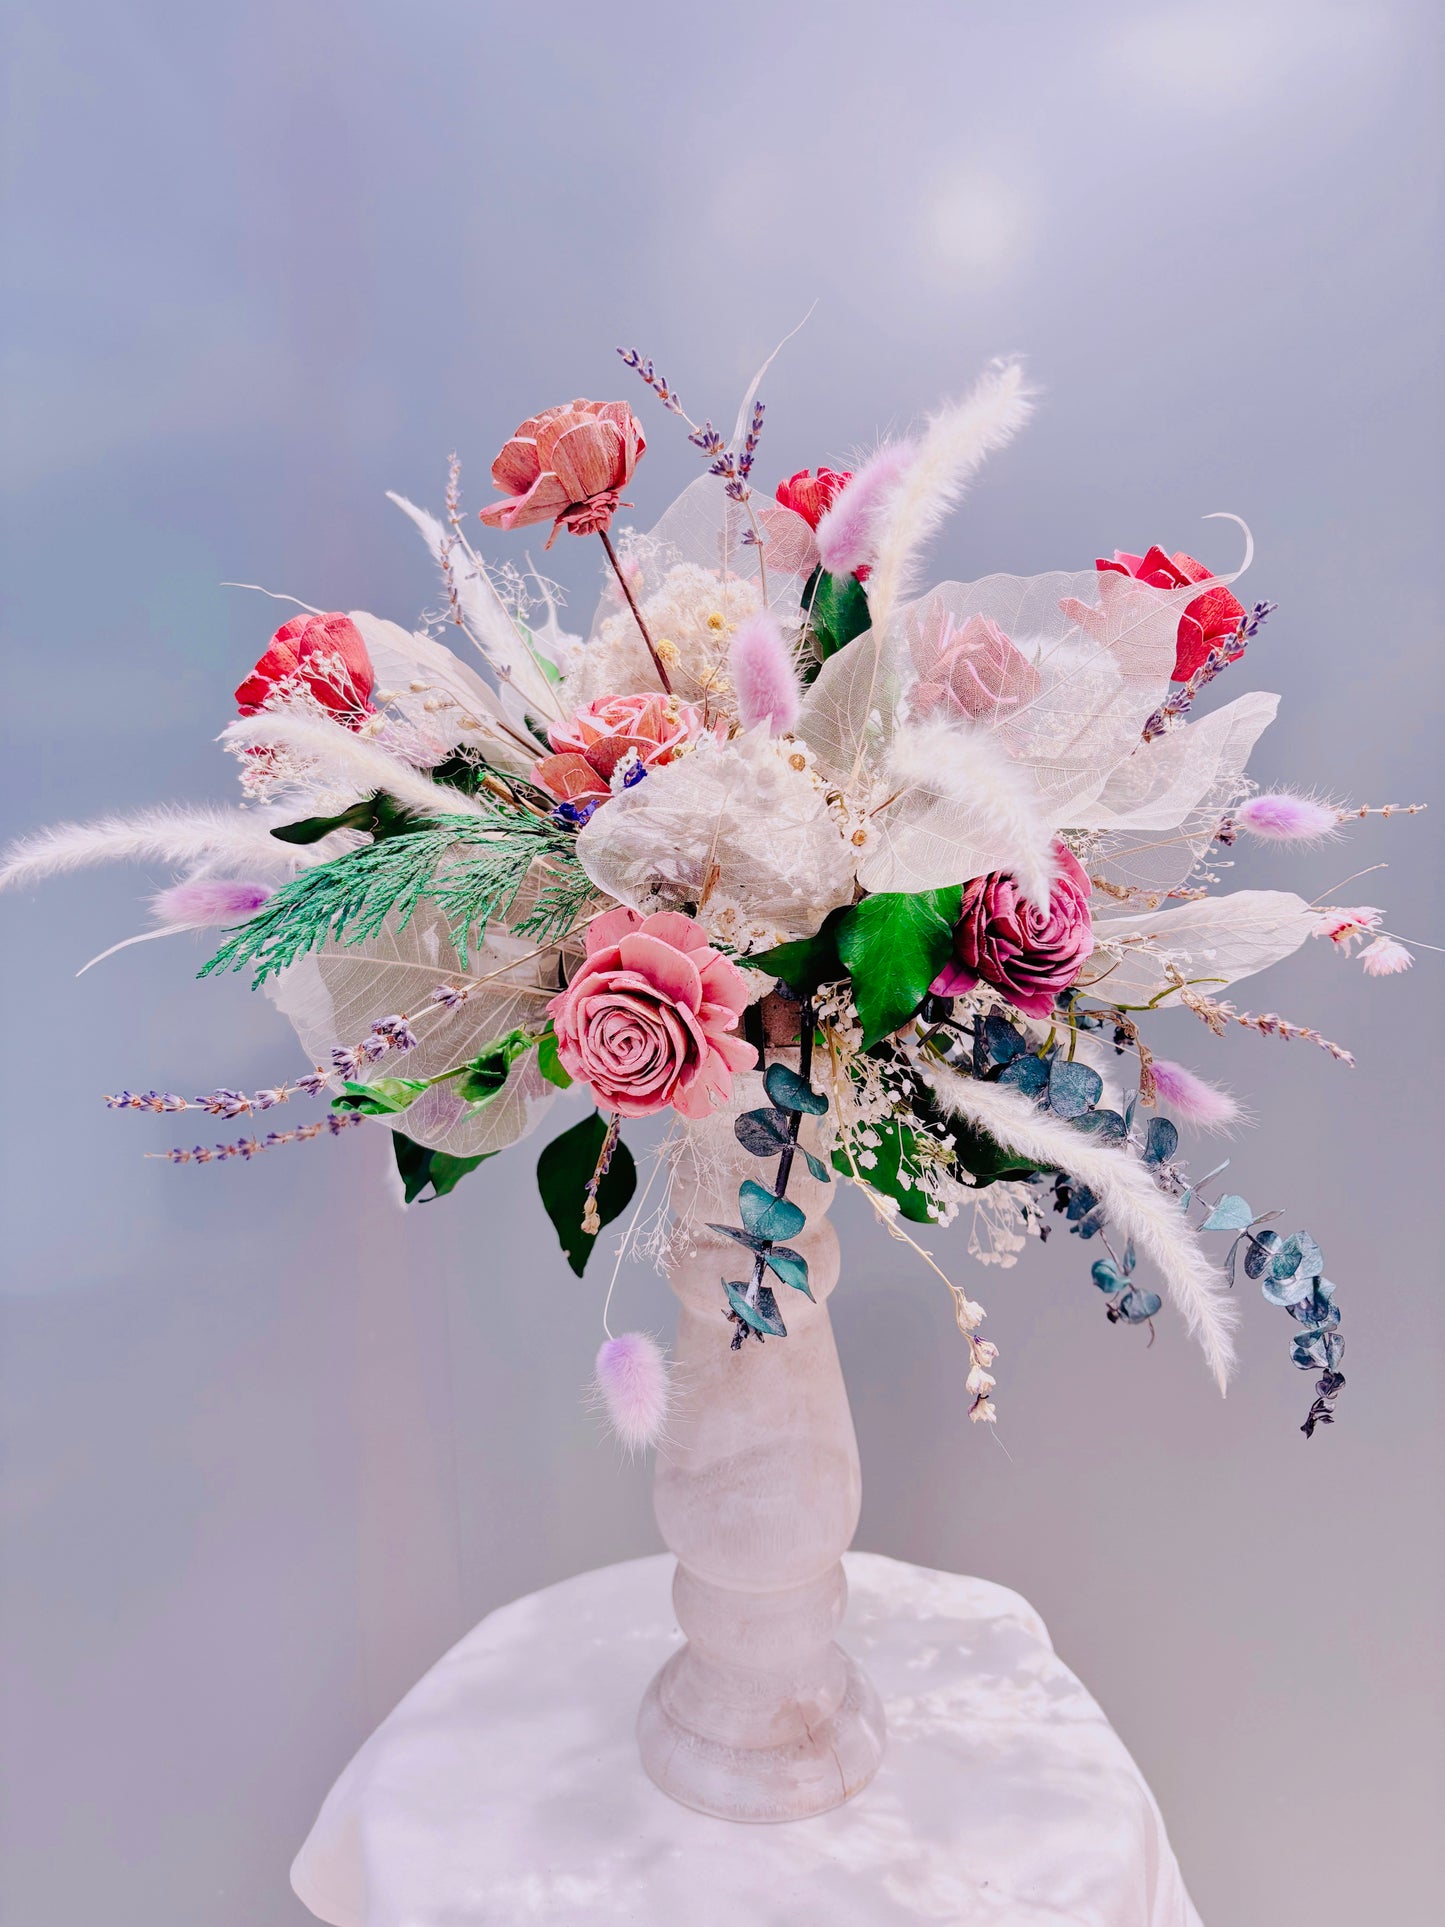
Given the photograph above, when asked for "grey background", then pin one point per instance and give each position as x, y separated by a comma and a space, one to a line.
269, 1445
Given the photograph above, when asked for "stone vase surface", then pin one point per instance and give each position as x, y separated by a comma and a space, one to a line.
761, 1715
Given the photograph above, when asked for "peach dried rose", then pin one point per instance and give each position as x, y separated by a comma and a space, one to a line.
568, 466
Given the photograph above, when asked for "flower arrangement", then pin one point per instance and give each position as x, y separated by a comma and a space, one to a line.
930, 858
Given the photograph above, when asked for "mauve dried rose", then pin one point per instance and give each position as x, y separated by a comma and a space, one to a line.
1028, 954
975, 669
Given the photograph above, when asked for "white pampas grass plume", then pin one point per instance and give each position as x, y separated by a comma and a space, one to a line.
998, 820
1128, 1193
1281, 817
183, 837
341, 753
847, 533
761, 666
636, 1390
1385, 957
950, 450
1193, 1098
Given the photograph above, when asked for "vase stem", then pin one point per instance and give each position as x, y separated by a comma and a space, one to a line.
760, 1715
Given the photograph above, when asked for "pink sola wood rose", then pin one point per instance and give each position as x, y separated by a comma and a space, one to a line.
567, 466
599, 739
974, 669
1028, 954
646, 1022
322, 653
1208, 620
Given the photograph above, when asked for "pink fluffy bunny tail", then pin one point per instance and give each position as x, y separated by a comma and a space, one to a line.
1282, 818
846, 534
763, 675
636, 1390
1193, 1098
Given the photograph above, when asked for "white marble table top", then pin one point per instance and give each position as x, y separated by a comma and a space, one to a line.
506, 1788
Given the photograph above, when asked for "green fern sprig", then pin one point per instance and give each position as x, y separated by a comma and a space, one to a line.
351, 897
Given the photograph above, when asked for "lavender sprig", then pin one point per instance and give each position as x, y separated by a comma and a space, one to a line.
1172, 711
249, 1147
656, 382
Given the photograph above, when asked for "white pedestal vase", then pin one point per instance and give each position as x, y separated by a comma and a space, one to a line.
761, 1715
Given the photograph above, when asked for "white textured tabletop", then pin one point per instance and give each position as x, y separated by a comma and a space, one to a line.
506, 1788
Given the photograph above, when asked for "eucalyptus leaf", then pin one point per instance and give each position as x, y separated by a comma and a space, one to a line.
764, 1133
1136, 1306
1259, 1252
1001, 1042
821, 1173
1107, 1126
765, 1215
790, 1266
1028, 1074
1230, 1214
564, 1172
894, 945
763, 1316
1161, 1141
741, 1236
1105, 1276
1073, 1088
790, 1093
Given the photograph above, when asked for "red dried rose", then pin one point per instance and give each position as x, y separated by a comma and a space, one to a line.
810, 495
324, 655
1028, 954
567, 466
1209, 619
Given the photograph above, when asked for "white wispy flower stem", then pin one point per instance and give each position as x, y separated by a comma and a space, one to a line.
1123, 1186
180, 837
344, 754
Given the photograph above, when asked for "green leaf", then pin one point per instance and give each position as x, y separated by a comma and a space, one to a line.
809, 962
838, 611
484, 1076
564, 1172
790, 1266
790, 1093
549, 1063
419, 1166
383, 1098
379, 813
765, 1215
820, 1171
894, 946
764, 1133
895, 1149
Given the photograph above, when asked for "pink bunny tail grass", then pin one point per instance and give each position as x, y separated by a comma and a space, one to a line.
1280, 817
1192, 1099
636, 1390
209, 902
846, 533
1385, 957
763, 675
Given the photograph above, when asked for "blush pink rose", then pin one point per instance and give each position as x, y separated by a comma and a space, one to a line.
1207, 620
567, 466
599, 737
1028, 954
975, 669
646, 1022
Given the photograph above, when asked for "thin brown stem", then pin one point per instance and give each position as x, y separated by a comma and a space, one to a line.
632, 605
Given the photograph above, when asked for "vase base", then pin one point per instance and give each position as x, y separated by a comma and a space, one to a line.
828, 1761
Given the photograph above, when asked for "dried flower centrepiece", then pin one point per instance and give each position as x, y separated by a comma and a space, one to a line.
956, 849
